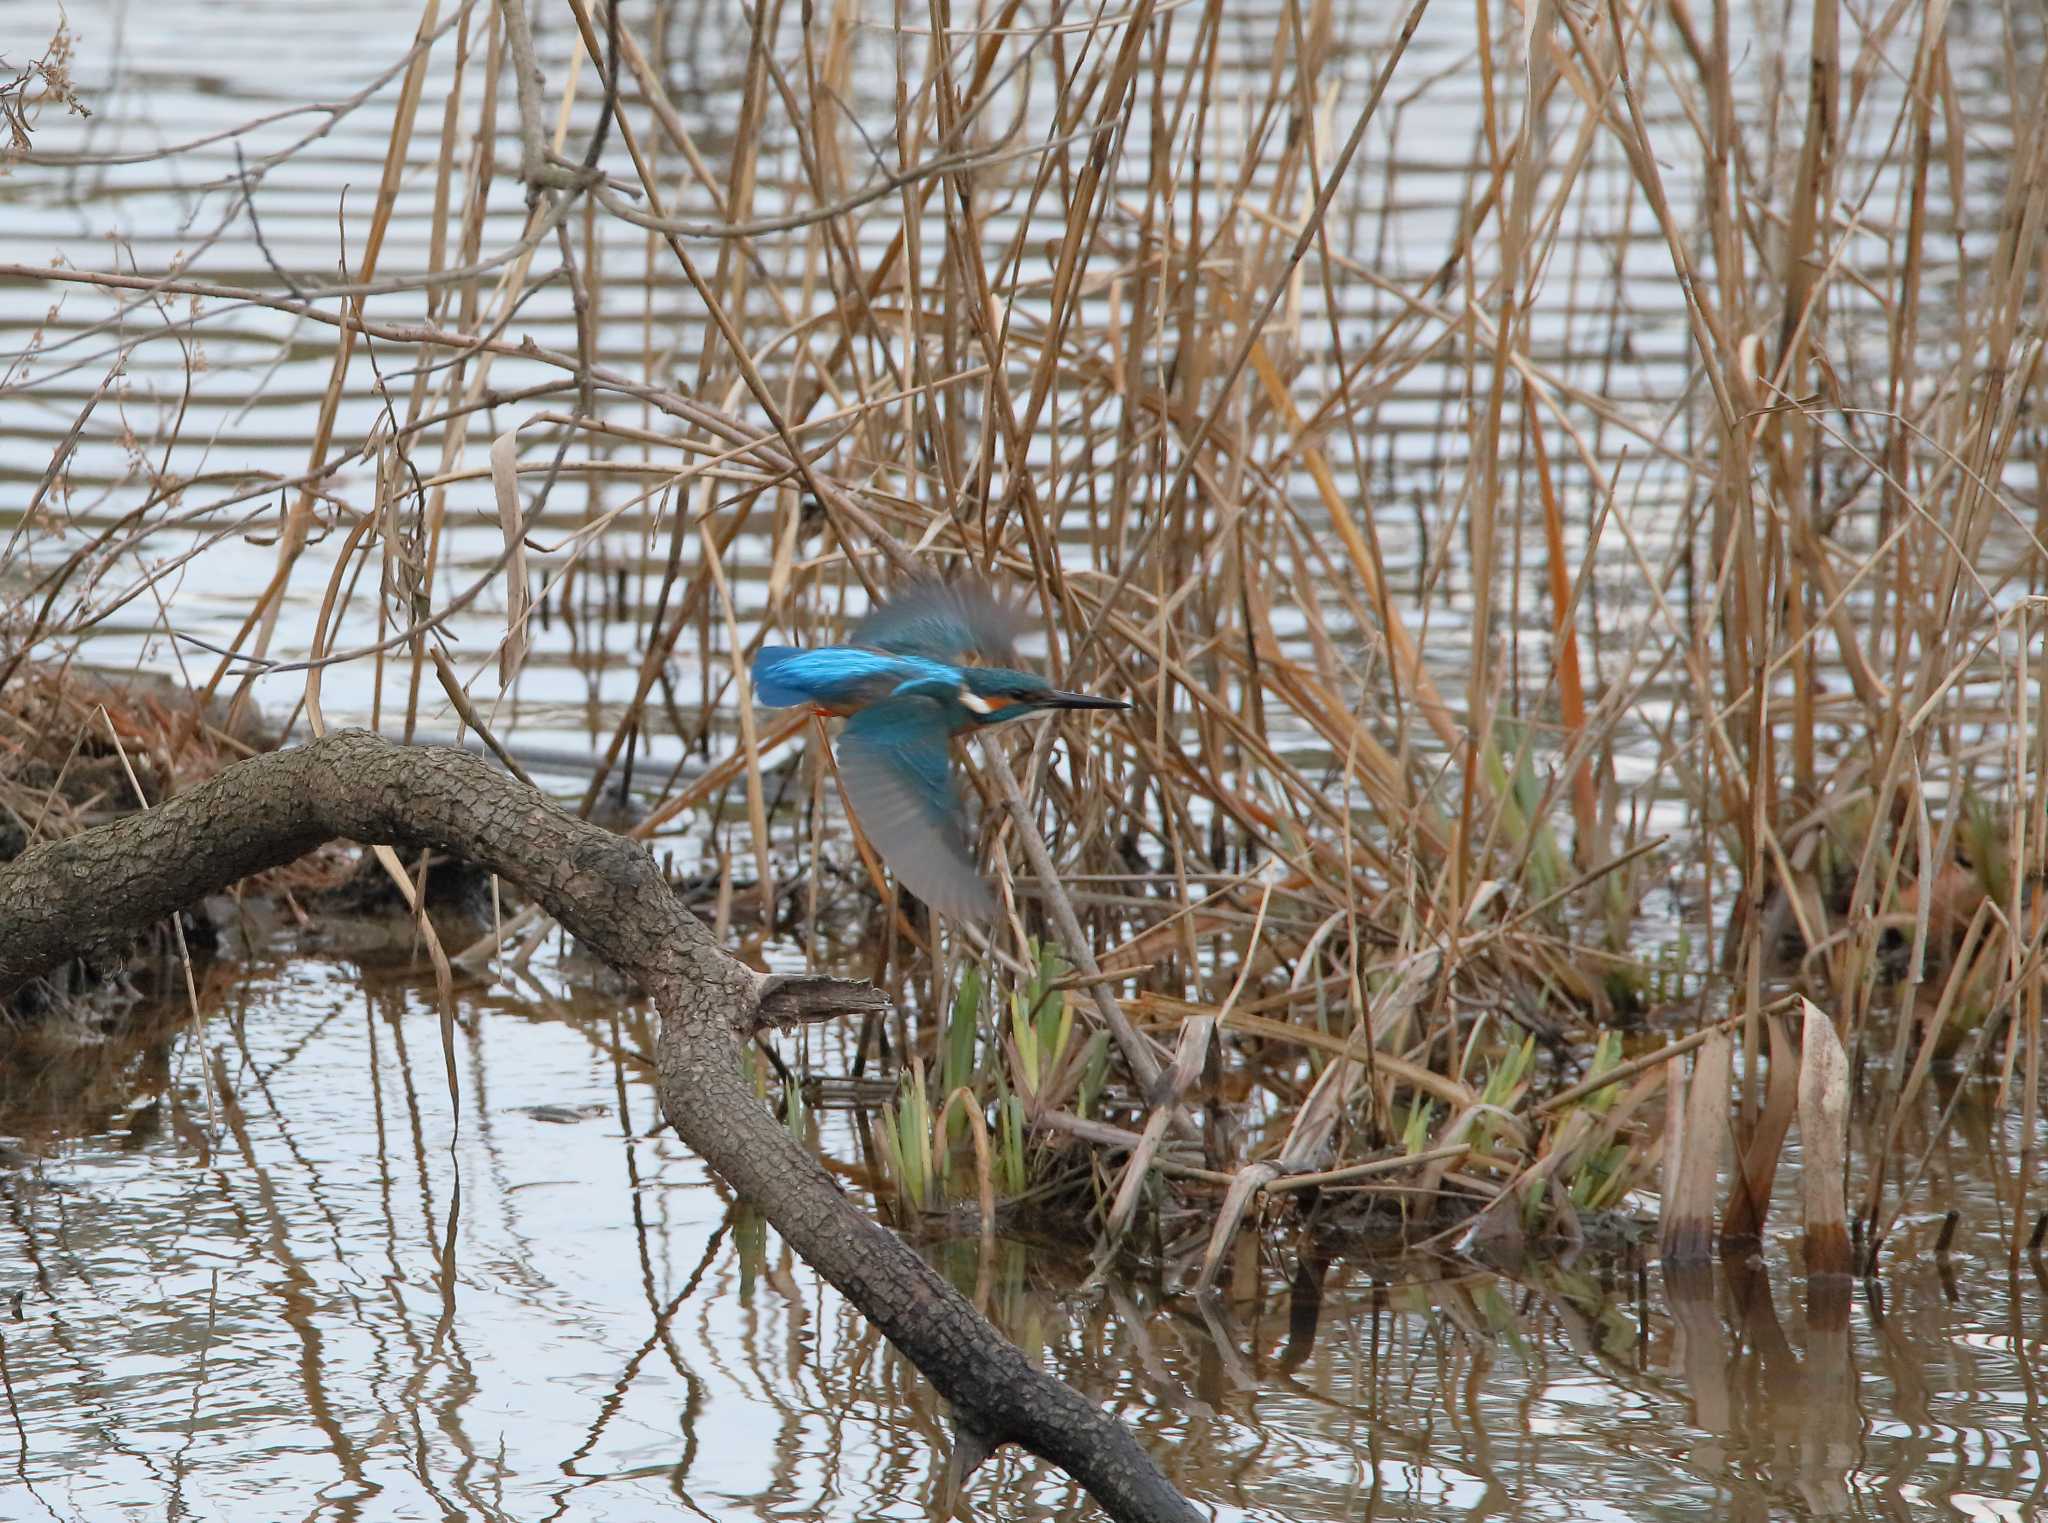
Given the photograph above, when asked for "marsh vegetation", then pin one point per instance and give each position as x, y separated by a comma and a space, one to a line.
1561, 488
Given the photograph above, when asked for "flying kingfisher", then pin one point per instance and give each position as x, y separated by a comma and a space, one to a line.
903, 680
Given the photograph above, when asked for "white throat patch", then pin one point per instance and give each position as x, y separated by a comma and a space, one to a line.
975, 701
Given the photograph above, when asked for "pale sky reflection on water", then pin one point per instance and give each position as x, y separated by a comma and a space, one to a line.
267, 1331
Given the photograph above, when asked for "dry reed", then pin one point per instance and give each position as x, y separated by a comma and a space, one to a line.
1686, 647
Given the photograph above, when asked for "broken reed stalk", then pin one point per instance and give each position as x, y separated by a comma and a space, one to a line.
1824, 1141
91, 892
1756, 1164
1693, 1158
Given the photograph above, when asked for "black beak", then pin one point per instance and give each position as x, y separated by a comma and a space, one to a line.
1081, 701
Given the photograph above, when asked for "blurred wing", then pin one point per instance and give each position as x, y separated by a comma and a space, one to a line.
896, 763
942, 621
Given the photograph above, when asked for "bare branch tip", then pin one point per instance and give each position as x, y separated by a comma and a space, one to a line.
784, 1000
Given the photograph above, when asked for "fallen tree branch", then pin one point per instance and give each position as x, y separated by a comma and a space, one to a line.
89, 894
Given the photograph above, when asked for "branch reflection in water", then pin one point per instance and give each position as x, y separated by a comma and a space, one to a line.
308, 1315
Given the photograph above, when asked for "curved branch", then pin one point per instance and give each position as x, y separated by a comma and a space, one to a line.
93, 891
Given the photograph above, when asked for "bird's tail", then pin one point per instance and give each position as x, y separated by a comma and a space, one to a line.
772, 689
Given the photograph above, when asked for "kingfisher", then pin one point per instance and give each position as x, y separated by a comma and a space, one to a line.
904, 685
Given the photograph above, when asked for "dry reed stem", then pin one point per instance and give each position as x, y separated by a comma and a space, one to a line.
1694, 1157
1823, 1135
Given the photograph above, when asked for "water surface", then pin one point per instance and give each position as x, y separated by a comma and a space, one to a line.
345, 1299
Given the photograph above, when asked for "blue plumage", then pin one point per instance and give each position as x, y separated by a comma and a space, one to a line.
840, 678
908, 700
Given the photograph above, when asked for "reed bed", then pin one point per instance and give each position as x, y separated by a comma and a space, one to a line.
1567, 623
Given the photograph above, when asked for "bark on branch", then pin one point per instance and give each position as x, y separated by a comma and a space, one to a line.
94, 891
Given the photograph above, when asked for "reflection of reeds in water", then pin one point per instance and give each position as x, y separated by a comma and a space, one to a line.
659, 1340
1698, 618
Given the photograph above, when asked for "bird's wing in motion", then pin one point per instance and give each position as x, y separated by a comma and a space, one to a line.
895, 760
942, 621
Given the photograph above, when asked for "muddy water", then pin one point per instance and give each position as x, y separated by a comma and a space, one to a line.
345, 1298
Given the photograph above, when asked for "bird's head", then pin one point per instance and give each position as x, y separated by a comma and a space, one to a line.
993, 695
